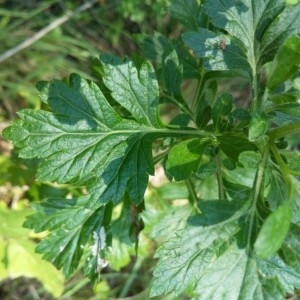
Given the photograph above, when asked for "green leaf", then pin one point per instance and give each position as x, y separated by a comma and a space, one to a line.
185, 257
177, 270
290, 109
278, 23
71, 223
153, 46
83, 126
272, 289
183, 158
137, 89
286, 62
171, 221
276, 267
187, 12
291, 248
221, 109
233, 146
207, 256
219, 221
219, 51
295, 199
255, 30
233, 266
209, 274
249, 21
292, 160
273, 231
258, 128
207, 167
237, 191
240, 118
278, 191
172, 73
189, 63
17, 255
82, 139
285, 97
240, 175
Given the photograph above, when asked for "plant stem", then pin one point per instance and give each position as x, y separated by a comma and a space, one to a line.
222, 194
192, 132
182, 106
285, 130
193, 196
160, 156
259, 177
256, 105
75, 289
130, 279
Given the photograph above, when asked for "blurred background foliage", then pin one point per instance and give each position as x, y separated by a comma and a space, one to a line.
107, 26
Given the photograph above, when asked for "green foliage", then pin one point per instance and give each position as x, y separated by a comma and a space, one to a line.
273, 231
17, 254
286, 62
241, 221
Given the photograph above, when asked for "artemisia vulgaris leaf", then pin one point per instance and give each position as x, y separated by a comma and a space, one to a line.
209, 260
81, 138
255, 30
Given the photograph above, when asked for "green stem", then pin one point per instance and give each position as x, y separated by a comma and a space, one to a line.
193, 196
131, 278
192, 132
222, 194
160, 156
256, 105
285, 130
182, 106
75, 289
257, 185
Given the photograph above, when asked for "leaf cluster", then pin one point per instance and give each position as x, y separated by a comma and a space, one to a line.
242, 177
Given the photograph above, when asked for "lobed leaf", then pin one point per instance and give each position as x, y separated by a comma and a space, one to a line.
255, 30
82, 139
185, 258
71, 223
218, 50
236, 266
83, 129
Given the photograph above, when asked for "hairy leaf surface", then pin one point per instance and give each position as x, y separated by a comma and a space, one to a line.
276, 267
83, 129
186, 257
255, 31
82, 139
